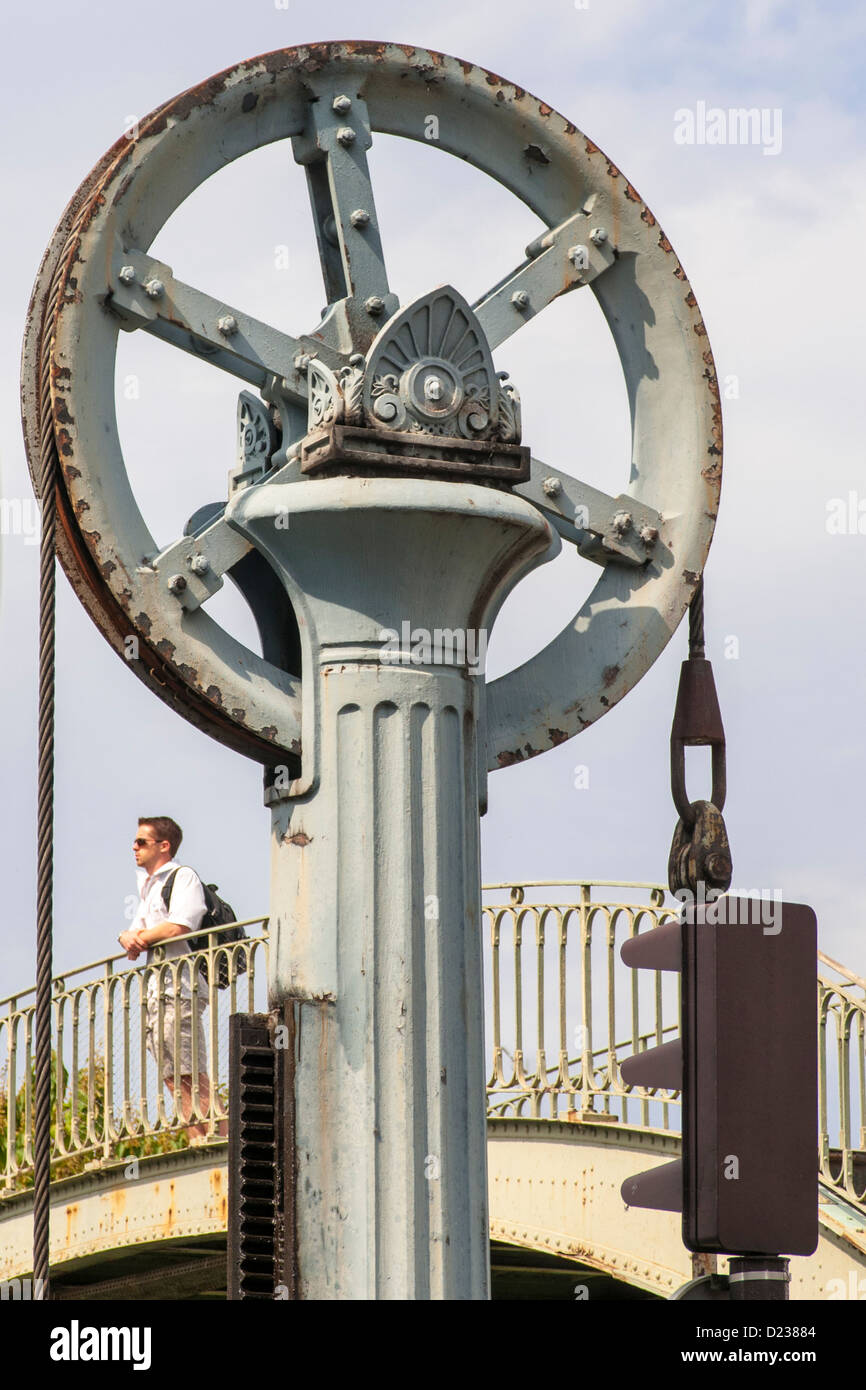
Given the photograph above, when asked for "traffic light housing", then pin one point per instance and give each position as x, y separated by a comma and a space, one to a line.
746, 1065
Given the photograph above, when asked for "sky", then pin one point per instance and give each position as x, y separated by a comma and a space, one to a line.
770, 235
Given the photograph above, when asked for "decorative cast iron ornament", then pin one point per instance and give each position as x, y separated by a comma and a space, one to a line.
372, 387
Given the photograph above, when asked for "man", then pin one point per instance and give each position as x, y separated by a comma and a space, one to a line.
155, 846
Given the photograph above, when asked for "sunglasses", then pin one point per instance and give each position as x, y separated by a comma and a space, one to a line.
139, 844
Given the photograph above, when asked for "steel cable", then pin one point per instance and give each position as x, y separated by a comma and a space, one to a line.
48, 481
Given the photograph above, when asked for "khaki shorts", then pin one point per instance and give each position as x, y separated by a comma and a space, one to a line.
182, 1008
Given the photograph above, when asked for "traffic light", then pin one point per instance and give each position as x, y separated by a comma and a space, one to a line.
746, 1064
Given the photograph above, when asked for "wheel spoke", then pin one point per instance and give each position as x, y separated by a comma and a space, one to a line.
565, 258
145, 294
333, 150
201, 559
603, 528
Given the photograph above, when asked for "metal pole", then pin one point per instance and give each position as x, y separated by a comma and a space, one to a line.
375, 909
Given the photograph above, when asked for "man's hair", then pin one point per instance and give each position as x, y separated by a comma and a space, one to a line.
164, 828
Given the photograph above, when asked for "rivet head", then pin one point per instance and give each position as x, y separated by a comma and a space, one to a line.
346, 135
176, 584
154, 289
622, 523
126, 274
649, 534
360, 217
199, 564
432, 388
551, 487
341, 105
375, 305
520, 299
227, 325
579, 256
598, 235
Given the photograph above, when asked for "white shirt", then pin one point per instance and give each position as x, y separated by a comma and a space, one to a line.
188, 907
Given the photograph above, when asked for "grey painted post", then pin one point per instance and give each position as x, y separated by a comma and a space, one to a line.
375, 913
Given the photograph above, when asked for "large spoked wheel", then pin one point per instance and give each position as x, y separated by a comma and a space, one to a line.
97, 279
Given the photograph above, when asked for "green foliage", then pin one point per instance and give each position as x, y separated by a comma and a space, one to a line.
76, 1101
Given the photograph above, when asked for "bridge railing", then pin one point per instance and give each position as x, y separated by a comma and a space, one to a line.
562, 1013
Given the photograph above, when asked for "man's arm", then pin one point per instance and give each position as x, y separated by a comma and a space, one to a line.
163, 931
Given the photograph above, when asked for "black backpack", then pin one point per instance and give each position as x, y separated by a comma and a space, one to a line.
218, 913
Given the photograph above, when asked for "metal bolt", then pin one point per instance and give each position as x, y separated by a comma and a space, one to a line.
649, 534
154, 289
199, 564
520, 299
341, 105
360, 217
176, 584
346, 135
375, 305
432, 388
227, 325
126, 274
622, 523
598, 235
579, 257
551, 487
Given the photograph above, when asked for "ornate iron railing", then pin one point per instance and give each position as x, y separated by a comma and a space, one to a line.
562, 1013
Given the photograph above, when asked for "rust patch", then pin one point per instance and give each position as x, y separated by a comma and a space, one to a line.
631, 193
70, 472
690, 300
680, 273
605, 701
591, 148
690, 577
81, 506
700, 330
165, 648
269, 732
64, 443
143, 622
169, 1216
509, 759
609, 675
664, 243
535, 154
295, 746
239, 714
300, 838
189, 673
647, 217
71, 1215
544, 109
118, 1201
557, 736
214, 693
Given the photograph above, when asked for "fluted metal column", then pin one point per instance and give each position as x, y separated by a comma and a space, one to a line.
375, 911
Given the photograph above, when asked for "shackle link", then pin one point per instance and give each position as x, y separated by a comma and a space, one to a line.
700, 851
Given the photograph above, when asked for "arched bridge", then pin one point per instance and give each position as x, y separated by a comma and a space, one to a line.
139, 1213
